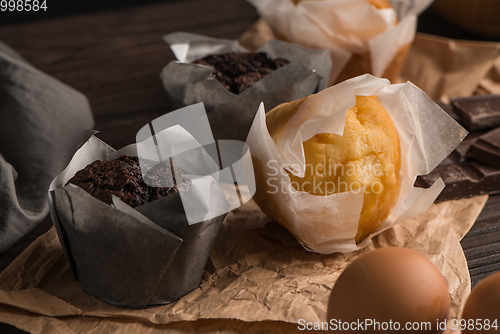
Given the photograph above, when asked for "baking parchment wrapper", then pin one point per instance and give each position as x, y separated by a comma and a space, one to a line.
427, 135
345, 28
187, 83
138, 257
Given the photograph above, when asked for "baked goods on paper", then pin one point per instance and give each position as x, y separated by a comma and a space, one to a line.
363, 36
122, 177
367, 155
237, 71
330, 223
105, 244
232, 114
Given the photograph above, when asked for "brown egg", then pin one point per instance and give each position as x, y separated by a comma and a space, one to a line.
483, 303
389, 290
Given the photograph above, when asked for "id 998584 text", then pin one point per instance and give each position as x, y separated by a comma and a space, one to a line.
23, 5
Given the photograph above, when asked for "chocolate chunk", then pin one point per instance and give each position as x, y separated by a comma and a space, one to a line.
459, 155
487, 148
122, 177
481, 112
449, 109
463, 180
239, 70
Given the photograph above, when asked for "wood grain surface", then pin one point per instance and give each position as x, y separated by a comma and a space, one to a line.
115, 58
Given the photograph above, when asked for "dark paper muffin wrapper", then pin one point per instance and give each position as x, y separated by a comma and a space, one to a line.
138, 257
187, 83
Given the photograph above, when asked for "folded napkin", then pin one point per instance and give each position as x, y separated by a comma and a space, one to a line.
41, 123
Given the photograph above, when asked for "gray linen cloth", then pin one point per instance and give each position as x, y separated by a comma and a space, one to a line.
41, 124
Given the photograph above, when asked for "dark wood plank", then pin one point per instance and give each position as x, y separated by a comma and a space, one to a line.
119, 131
9, 256
482, 244
115, 57
8, 329
59, 8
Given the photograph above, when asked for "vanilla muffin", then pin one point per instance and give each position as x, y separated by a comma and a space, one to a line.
360, 61
367, 155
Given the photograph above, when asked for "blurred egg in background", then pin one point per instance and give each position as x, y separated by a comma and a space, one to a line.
391, 288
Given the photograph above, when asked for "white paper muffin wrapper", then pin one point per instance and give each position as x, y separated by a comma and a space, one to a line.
345, 27
427, 135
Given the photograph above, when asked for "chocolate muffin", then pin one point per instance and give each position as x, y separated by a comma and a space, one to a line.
239, 70
122, 177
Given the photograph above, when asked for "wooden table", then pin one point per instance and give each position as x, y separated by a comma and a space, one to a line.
115, 58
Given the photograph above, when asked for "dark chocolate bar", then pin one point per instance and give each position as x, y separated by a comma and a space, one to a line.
463, 180
449, 109
459, 155
481, 112
487, 148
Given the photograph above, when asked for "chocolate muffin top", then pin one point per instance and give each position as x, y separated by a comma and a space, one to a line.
239, 70
122, 177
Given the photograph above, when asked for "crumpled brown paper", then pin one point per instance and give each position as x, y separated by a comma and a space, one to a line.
446, 68
260, 279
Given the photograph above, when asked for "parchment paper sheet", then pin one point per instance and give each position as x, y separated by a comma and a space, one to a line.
260, 279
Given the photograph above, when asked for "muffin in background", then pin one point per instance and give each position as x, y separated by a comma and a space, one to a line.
363, 36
